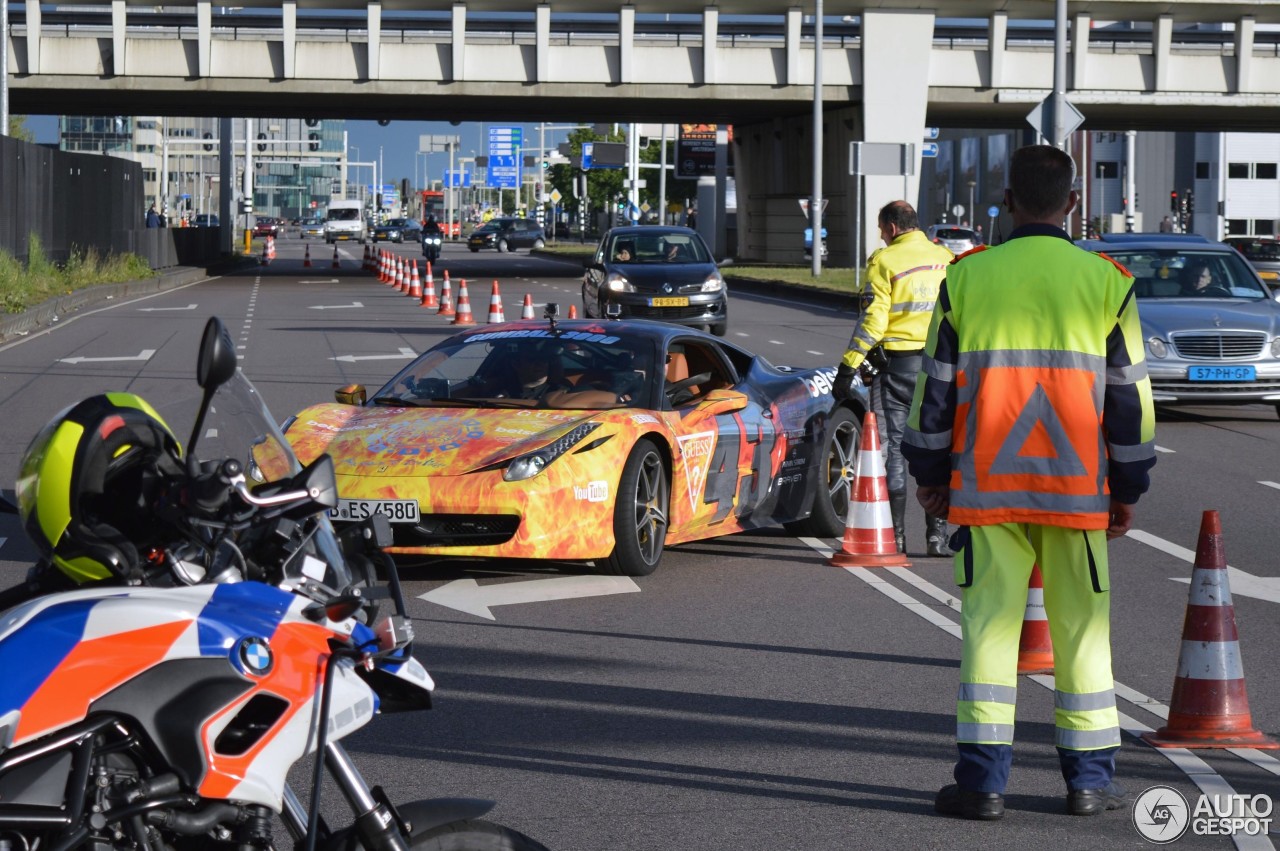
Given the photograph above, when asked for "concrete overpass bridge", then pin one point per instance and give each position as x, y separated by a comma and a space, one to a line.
898, 66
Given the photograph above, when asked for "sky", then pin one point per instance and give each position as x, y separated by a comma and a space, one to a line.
396, 144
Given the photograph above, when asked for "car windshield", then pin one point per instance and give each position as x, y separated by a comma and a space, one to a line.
493, 225
498, 369
1174, 273
396, 223
656, 248
1266, 250
344, 215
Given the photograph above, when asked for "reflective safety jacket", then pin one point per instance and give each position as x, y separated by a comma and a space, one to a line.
1033, 402
901, 285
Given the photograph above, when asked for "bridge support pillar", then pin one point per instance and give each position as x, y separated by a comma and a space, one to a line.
119, 28
33, 37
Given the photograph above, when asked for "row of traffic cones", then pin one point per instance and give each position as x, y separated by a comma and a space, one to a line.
1209, 707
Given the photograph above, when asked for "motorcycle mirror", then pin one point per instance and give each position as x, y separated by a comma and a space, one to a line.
217, 359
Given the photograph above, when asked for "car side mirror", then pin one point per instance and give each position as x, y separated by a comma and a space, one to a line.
352, 394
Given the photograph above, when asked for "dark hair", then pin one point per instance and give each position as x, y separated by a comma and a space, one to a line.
900, 214
1190, 275
1040, 178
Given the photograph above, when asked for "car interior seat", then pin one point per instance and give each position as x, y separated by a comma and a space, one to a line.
678, 370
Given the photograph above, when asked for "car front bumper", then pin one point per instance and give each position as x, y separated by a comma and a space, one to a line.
702, 309
1170, 383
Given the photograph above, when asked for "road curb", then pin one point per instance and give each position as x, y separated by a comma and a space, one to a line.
55, 309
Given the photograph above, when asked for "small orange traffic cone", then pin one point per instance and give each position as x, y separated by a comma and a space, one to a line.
271, 248
446, 297
337, 263
388, 275
1209, 707
527, 311
496, 313
429, 292
573, 311
1035, 649
402, 285
306, 258
415, 283
868, 532
367, 264
464, 316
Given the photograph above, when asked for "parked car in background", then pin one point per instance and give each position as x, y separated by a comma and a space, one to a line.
1212, 328
1262, 252
655, 272
955, 238
266, 226
398, 230
507, 234
311, 227
205, 220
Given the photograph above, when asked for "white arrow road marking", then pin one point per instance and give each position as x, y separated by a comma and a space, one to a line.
145, 354
404, 353
335, 306
153, 309
326, 281
1275, 485
466, 595
1242, 584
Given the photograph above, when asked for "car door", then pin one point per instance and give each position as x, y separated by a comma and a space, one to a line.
724, 463
592, 279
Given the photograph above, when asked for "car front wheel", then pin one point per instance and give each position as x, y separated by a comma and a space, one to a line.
538, 244
639, 513
834, 480
503, 248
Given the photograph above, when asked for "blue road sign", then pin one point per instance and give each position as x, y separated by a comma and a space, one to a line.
588, 149
993, 211
457, 177
505, 141
504, 173
929, 149
930, 133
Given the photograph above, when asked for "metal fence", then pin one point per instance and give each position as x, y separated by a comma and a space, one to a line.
74, 202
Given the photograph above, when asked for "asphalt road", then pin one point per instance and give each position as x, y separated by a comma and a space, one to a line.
748, 695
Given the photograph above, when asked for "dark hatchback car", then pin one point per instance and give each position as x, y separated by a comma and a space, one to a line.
398, 230
653, 272
507, 234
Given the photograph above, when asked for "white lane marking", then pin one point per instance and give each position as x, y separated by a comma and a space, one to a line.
740, 334
152, 309
812, 352
466, 595
144, 355
777, 342
1197, 770
1275, 485
1166, 449
1242, 584
404, 353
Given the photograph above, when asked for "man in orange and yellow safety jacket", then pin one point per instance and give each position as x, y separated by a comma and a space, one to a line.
1032, 428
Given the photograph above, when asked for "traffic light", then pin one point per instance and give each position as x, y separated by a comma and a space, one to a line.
1191, 202
313, 141
1173, 201
262, 147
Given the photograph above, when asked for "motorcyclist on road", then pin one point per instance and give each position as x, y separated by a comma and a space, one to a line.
431, 228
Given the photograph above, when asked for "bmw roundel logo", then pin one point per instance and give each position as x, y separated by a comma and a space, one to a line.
255, 655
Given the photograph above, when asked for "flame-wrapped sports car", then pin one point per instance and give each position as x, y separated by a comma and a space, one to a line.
587, 440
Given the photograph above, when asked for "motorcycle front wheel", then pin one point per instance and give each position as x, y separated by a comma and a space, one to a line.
474, 835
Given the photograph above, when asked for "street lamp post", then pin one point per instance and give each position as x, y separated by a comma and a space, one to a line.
973, 215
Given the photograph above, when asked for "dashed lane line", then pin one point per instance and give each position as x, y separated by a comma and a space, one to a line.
1197, 770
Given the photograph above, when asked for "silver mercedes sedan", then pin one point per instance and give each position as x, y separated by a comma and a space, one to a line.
1212, 328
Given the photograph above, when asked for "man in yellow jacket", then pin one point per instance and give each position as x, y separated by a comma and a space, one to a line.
898, 293
1032, 428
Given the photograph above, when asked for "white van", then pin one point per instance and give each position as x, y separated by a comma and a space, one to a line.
345, 220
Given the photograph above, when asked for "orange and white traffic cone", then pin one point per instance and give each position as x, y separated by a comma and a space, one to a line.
446, 297
464, 316
527, 311
271, 247
1035, 648
573, 311
306, 258
415, 283
429, 291
402, 285
1209, 707
337, 262
388, 276
496, 314
868, 532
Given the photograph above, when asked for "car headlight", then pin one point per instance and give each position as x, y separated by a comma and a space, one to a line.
713, 284
1157, 347
393, 234
1275, 348
618, 283
532, 463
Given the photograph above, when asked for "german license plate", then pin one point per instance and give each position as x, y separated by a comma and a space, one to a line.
673, 301
1221, 373
395, 510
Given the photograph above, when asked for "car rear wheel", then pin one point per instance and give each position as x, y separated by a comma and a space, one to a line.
639, 513
474, 250
834, 480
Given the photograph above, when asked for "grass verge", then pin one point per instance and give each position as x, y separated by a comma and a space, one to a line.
40, 280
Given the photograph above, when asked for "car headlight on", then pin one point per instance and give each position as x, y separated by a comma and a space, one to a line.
1157, 347
532, 463
713, 284
618, 284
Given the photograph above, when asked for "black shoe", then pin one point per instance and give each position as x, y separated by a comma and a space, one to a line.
981, 806
938, 548
1090, 802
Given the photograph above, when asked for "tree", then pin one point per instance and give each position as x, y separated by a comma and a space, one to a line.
18, 129
604, 185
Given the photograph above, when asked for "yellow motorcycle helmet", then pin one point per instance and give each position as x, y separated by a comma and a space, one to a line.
87, 484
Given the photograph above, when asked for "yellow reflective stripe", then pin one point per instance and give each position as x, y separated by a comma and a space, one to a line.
933, 267
921, 307
1051, 359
